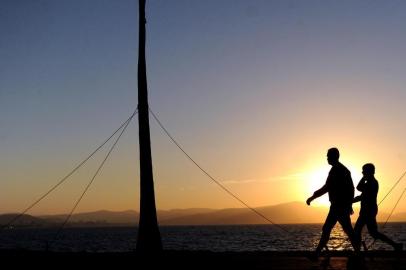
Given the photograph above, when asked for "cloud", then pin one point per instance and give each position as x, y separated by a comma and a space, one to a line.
245, 181
293, 177
188, 188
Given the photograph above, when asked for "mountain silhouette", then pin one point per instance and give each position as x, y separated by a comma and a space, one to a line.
286, 213
128, 217
24, 220
294, 212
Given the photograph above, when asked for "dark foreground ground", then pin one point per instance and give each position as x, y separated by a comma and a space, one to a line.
202, 260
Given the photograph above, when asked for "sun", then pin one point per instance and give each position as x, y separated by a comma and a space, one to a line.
316, 178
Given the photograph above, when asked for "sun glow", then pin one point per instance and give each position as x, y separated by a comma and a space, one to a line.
316, 178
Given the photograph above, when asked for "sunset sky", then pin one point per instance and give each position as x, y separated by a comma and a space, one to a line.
255, 91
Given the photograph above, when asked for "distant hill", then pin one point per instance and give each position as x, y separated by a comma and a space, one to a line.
293, 212
164, 215
24, 220
129, 217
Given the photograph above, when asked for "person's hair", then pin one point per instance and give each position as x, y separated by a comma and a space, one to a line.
334, 153
369, 168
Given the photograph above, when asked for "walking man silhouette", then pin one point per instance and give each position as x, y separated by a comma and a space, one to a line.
340, 189
369, 187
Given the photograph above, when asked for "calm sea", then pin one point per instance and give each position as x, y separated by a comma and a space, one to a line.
213, 238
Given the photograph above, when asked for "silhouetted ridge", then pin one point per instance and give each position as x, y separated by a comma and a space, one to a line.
24, 220
292, 212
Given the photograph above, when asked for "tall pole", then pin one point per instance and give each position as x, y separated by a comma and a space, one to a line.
149, 238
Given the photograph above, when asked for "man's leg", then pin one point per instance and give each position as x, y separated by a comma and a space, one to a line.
345, 222
331, 220
373, 231
359, 225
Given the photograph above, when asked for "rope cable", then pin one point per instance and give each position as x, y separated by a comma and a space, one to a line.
396, 204
211, 177
92, 180
397, 182
8, 224
387, 219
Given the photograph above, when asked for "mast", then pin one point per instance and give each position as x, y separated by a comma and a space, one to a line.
149, 238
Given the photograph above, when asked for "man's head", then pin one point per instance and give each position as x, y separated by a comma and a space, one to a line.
368, 169
332, 156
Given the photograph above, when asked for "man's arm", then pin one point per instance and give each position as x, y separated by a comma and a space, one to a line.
361, 184
323, 190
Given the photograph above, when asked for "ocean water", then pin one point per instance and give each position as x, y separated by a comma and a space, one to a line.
213, 238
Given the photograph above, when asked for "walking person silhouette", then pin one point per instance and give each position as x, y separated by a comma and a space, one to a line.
340, 189
369, 187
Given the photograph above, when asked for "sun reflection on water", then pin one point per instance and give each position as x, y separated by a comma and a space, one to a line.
338, 239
